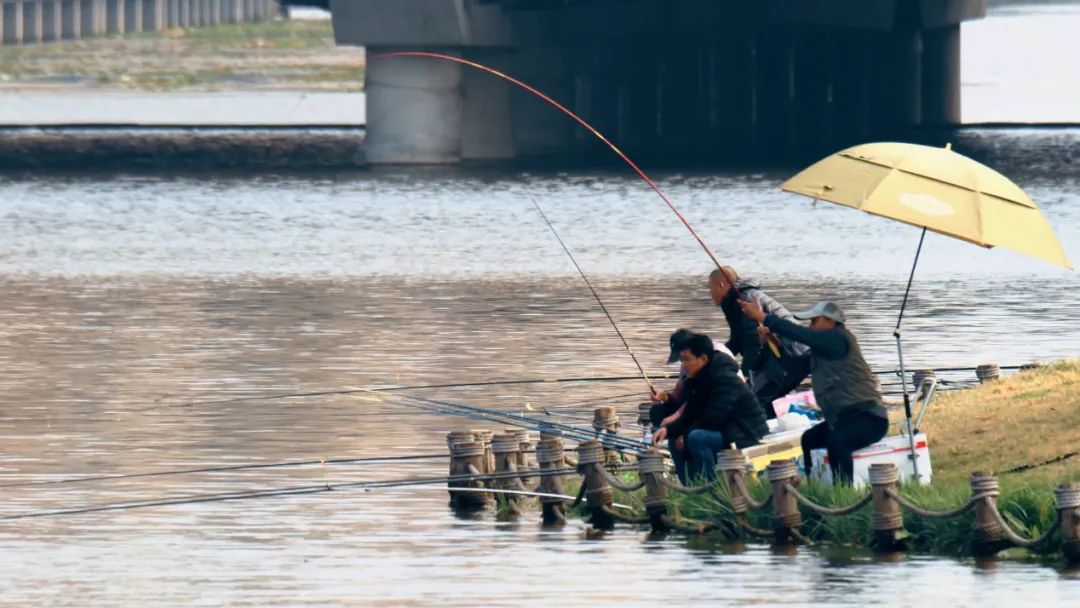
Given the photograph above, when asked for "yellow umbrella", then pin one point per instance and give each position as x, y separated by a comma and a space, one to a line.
935, 189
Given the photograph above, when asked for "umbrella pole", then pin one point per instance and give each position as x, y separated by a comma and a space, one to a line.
900, 354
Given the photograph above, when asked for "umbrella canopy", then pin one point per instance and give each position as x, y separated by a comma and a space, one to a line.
936, 189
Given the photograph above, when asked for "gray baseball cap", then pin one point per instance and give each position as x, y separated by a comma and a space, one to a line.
824, 308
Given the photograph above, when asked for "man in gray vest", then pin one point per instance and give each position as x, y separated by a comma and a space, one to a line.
844, 387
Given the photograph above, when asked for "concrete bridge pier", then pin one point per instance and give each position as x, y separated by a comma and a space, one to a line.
486, 106
91, 17
11, 13
596, 77
813, 91
775, 91
850, 88
50, 20
540, 131
941, 76
414, 110
133, 20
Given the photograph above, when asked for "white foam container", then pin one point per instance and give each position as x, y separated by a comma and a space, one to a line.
895, 449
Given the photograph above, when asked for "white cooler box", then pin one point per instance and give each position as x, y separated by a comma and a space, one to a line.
895, 449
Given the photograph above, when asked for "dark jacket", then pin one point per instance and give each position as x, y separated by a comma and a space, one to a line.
744, 338
718, 400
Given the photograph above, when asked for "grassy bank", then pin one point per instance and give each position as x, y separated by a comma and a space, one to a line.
294, 55
1014, 424
1026, 419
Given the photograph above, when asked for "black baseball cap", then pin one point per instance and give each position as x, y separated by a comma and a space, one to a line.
678, 341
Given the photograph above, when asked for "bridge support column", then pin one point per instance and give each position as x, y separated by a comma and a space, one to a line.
50, 20
413, 110
31, 22
540, 130
12, 17
153, 15
897, 97
71, 20
486, 116
851, 87
595, 97
941, 76
91, 17
133, 15
775, 89
813, 91
114, 16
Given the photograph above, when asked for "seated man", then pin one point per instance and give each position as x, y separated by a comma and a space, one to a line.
844, 387
770, 377
719, 410
669, 404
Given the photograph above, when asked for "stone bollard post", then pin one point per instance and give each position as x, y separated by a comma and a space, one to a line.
786, 515
732, 464
917, 378
453, 438
464, 458
987, 372
597, 490
525, 446
986, 532
888, 516
606, 422
484, 437
650, 469
643, 414
507, 449
549, 456
1068, 504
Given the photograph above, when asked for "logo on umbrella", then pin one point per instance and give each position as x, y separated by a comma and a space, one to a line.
927, 204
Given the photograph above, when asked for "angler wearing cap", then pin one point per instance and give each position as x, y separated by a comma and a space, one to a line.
771, 376
844, 387
719, 410
669, 404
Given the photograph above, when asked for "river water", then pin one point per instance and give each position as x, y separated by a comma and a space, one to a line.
128, 300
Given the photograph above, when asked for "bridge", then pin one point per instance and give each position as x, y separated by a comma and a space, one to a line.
693, 80
35, 21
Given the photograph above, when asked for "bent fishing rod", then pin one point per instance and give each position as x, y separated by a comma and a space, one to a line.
771, 339
596, 295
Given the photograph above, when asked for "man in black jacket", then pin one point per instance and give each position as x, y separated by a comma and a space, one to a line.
770, 377
720, 410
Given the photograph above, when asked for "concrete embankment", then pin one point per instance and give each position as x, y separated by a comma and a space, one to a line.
180, 148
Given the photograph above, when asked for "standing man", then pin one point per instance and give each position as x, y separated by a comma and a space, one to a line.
770, 377
844, 387
719, 410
